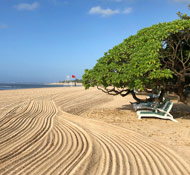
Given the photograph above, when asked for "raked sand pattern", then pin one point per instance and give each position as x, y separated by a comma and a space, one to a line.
39, 135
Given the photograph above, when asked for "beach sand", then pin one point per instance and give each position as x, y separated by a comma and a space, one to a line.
69, 130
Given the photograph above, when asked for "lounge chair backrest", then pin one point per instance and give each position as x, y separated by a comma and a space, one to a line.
168, 106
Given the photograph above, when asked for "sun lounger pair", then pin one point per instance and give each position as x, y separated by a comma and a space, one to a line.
157, 110
149, 105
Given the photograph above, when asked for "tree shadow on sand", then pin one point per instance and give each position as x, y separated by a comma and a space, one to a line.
127, 107
180, 110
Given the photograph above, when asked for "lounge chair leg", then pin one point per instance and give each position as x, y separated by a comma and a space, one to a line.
174, 120
171, 118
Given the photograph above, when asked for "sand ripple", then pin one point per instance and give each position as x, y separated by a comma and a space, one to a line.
34, 139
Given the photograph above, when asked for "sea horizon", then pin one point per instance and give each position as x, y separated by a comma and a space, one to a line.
12, 86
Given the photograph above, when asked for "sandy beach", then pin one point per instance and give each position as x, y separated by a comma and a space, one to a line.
72, 131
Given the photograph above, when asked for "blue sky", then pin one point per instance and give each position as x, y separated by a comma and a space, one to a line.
48, 40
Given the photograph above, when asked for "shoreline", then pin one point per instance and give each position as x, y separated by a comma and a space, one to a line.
71, 83
13, 86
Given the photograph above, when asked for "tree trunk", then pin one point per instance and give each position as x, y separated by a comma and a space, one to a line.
183, 97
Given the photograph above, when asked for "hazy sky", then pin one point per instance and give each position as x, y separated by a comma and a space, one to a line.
47, 40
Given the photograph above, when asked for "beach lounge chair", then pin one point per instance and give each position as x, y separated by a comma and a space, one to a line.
144, 106
162, 112
149, 105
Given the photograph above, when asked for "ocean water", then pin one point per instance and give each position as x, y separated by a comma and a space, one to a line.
9, 86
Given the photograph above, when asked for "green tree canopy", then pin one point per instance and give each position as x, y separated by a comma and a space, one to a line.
183, 16
157, 57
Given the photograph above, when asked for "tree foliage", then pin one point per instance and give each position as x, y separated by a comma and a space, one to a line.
157, 57
183, 16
